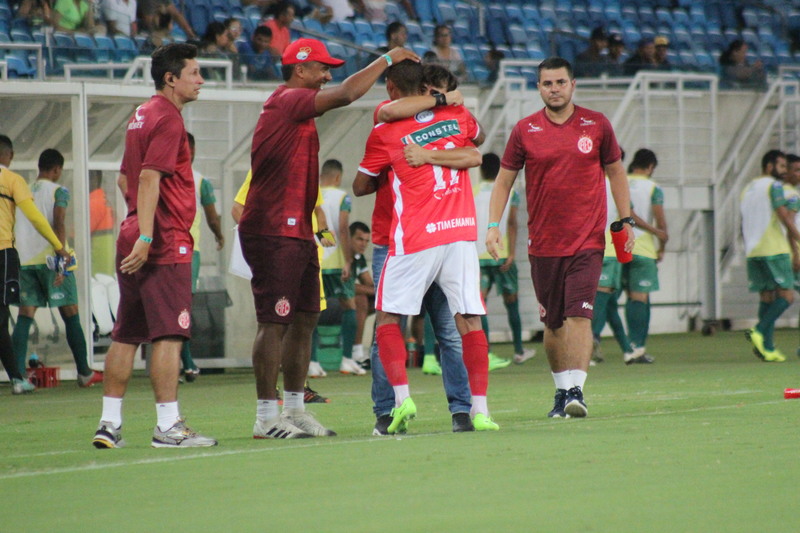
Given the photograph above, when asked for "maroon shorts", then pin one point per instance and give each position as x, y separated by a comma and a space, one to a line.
566, 286
285, 276
154, 302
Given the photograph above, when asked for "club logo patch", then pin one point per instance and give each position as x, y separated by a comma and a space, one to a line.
424, 116
184, 319
283, 307
303, 53
585, 145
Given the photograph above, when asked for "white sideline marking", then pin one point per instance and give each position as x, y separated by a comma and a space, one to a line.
333, 442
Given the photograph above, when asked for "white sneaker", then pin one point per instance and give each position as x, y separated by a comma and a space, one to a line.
358, 354
526, 354
307, 423
315, 370
278, 429
349, 366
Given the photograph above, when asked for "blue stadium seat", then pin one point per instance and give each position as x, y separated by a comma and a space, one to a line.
4, 37
478, 73
347, 30
420, 48
647, 15
705, 61
447, 12
519, 51
105, 48
199, 17
378, 30
750, 17
364, 31
530, 13
125, 48
394, 12
415, 34
471, 53
86, 49
514, 14
462, 33
613, 13
687, 59
19, 67
427, 30
516, 34
21, 36
426, 10
535, 52
252, 11
664, 16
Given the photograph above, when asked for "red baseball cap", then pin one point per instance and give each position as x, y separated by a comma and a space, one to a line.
305, 50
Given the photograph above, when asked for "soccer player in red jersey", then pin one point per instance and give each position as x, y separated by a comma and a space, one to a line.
277, 239
433, 223
154, 251
566, 151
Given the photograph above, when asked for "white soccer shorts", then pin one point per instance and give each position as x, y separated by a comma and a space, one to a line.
454, 267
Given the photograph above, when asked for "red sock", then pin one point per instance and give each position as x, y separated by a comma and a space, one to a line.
392, 351
476, 360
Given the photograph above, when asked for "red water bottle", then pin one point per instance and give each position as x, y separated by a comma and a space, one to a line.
619, 236
791, 393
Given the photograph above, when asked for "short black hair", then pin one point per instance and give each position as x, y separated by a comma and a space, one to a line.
771, 157
393, 28
170, 58
50, 159
555, 63
358, 226
191, 139
406, 76
287, 70
643, 158
331, 165
792, 158
6, 144
263, 30
439, 76
490, 166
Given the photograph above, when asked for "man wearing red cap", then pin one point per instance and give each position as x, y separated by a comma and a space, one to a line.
275, 228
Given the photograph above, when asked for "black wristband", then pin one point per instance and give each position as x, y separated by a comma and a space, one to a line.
440, 99
629, 221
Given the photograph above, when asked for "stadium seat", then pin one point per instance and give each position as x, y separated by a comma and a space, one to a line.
514, 14
462, 33
126, 49
85, 48
530, 13
18, 67
312, 24
471, 54
447, 11
415, 34
364, 31
427, 30
647, 16
199, 18
4, 37
426, 10
394, 12
347, 30
516, 34
105, 48
535, 52
21, 36
467, 12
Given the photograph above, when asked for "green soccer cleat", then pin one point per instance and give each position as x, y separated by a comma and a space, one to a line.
497, 362
773, 356
483, 422
430, 366
401, 415
756, 338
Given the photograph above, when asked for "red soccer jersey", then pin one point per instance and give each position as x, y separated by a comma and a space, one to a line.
156, 140
564, 179
433, 205
382, 212
284, 160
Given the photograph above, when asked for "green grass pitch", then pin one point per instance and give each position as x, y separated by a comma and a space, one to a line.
700, 441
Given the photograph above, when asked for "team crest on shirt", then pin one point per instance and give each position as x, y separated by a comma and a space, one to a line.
283, 307
585, 144
184, 319
533, 128
424, 116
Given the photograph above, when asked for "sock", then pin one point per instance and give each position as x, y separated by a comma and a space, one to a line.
475, 351
77, 343
348, 331
112, 411
393, 354
186, 356
267, 409
578, 378
314, 344
6, 349
401, 392
293, 402
358, 352
615, 321
20, 340
767, 324
562, 380
762, 309
429, 344
636, 316
646, 324
485, 325
599, 314
515, 323
168, 414
479, 405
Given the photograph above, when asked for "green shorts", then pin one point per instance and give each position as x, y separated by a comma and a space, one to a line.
640, 275
611, 275
507, 282
770, 273
37, 289
335, 287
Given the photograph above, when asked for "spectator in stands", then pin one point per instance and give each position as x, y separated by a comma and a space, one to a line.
264, 5
643, 59
119, 16
73, 15
396, 36
492, 60
234, 28
279, 24
662, 48
216, 44
158, 34
341, 10
151, 11
446, 55
593, 62
616, 50
737, 73
38, 13
259, 56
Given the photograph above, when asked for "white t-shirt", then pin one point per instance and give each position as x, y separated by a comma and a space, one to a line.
121, 12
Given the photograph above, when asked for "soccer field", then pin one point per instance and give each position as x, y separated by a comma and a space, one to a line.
702, 440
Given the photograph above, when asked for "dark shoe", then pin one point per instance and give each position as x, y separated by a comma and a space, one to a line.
191, 375
382, 425
574, 406
558, 404
312, 396
462, 422
643, 359
597, 354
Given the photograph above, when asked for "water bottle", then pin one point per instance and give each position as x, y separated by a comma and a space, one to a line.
34, 361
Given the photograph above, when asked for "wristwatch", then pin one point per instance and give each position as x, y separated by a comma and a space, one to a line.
629, 221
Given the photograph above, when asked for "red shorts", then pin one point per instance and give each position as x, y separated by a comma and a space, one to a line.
285, 276
154, 302
566, 286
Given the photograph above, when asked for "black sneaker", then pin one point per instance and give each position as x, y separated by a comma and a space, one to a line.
462, 422
574, 405
312, 396
382, 425
643, 359
558, 404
